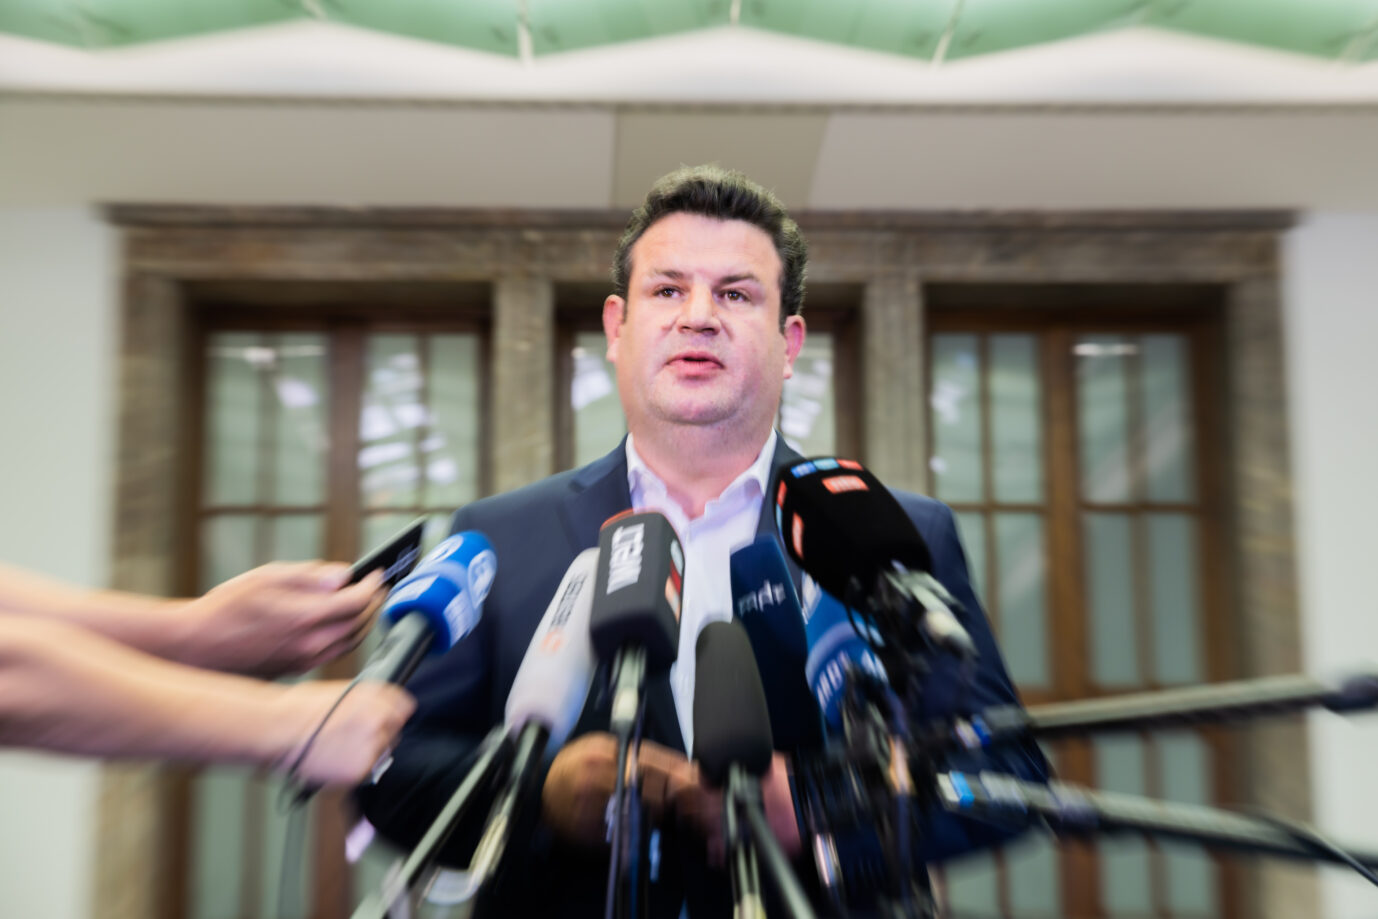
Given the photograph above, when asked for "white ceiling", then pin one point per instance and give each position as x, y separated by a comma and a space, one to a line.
317, 113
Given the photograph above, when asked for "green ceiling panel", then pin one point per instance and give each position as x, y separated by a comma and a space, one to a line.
1325, 28
486, 25
107, 23
895, 26
38, 19
986, 26
1334, 29
563, 25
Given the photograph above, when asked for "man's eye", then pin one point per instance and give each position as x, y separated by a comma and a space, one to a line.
735, 296
665, 292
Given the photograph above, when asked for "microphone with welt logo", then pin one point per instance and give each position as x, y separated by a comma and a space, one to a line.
635, 625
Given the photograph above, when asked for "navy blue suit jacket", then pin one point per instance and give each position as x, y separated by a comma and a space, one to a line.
537, 531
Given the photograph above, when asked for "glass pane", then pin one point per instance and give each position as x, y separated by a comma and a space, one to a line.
1110, 593
808, 415
298, 374
1167, 418
1015, 419
1021, 591
973, 886
1184, 762
281, 856
297, 537
392, 417
1103, 418
1031, 864
1125, 879
1172, 586
971, 528
598, 420
956, 402
450, 448
220, 797
227, 547
233, 410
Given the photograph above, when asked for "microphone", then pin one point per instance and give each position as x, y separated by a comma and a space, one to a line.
835, 650
765, 603
547, 695
433, 607
729, 705
734, 747
635, 624
846, 530
636, 601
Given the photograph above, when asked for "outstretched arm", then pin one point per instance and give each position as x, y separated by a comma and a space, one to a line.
68, 690
276, 619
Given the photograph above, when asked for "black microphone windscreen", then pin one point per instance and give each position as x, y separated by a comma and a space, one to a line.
637, 591
839, 522
731, 721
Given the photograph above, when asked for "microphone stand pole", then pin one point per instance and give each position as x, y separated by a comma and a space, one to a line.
491, 753
628, 710
1073, 810
749, 836
1214, 703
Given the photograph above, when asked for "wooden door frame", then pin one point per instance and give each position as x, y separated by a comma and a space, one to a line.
168, 250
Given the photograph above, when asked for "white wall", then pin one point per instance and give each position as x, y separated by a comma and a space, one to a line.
57, 346
1331, 330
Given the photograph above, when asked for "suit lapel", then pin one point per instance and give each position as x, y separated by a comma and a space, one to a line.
785, 455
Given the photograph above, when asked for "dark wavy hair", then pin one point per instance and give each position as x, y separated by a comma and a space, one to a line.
722, 194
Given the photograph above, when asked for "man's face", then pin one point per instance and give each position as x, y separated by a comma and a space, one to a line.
698, 340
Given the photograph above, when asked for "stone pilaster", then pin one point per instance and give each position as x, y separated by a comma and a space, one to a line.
523, 395
892, 375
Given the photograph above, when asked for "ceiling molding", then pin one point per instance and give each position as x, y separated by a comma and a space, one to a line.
1205, 107
210, 216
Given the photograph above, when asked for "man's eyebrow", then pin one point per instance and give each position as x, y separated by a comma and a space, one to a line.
673, 274
735, 278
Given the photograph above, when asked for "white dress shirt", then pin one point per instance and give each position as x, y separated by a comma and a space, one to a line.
728, 522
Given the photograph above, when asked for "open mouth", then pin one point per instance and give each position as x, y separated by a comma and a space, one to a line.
696, 359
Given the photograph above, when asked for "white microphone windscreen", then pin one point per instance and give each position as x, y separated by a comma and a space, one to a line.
553, 681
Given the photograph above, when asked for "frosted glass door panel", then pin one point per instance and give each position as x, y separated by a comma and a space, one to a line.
1103, 417
1016, 428
598, 420
1022, 592
807, 406
957, 460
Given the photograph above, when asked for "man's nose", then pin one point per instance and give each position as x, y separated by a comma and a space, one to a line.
699, 312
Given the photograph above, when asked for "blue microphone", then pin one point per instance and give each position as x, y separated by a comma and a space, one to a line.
834, 647
433, 607
765, 603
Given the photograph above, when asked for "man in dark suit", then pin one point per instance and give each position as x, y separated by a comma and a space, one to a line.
703, 328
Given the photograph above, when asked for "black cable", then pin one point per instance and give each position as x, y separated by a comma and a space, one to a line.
292, 798
1312, 838
300, 793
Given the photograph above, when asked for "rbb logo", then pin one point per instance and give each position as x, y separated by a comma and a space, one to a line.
840, 483
624, 566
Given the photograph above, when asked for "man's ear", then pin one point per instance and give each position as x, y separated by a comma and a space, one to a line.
614, 312
794, 342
